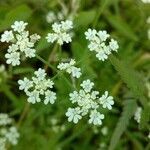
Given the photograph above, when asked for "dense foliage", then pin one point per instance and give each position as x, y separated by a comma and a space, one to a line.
124, 73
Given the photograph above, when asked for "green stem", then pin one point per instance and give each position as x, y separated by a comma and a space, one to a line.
51, 56
46, 63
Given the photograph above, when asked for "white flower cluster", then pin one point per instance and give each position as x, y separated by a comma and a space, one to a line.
56, 127
137, 115
4, 119
98, 43
60, 34
70, 68
146, 1
37, 87
8, 133
51, 16
88, 102
11, 135
21, 42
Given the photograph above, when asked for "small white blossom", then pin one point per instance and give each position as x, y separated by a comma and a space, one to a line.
73, 114
87, 101
7, 36
96, 117
98, 43
51, 17
2, 143
104, 130
38, 87
13, 58
60, 34
49, 97
146, 1
40, 74
137, 115
19, 26
12, 135
21, 43
70, 68
106, 101
113, 45
4, 119
25, 84
8, 133
87, 85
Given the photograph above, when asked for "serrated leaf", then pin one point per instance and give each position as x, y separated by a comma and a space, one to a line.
134, 82
128, 111
131, 78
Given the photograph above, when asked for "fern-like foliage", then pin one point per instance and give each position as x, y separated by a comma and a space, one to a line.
131, 78
135, 84
128, 111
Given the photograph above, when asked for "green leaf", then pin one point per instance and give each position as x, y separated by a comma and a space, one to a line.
128, 111
122, 26
85, 18
134, 82
22, 12
131, 78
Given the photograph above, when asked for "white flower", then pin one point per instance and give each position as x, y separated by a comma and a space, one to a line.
74, 96
96, 117
21, 43
33, 97
7, 36
12, 135
25, 84
90, 34
87, 101
29, 52
137, 115
2, 143
66, 25
70, 68
106, 101
146, 1
101, 55
4, 119
13, 58
60, 34
87, 85
40, 74
104, 130
49, 97
73, 114
8, 133
38, 86
34, 38
76, 72
113, 45
103, 35
98, 43
51, 17
19, 26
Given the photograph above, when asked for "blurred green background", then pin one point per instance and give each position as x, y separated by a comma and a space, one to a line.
46, 127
